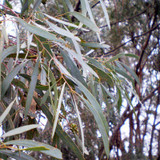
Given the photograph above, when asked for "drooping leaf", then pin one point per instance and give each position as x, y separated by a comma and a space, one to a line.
105, 13
86, 21
17, 155
20, 130
94, 45
104, 77
7, 81
69, 4
8, 51
133, 74
121, 55
8, 4
39, 31
61, 21
80, 123
32, 87
53, 152
5, 113
36, 5
73, 68
58, 110
62, 31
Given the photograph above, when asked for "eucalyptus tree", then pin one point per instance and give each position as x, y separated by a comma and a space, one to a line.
53, 69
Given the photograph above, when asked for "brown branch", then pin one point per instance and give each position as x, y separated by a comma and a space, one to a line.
138, 36
114, 23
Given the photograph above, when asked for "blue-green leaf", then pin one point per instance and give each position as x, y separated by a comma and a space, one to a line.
32, 87
7, 81
39, 31
86, 21
53, 152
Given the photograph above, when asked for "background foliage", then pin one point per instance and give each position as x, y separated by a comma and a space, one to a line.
80, 79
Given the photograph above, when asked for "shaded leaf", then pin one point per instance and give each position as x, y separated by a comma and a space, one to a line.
17, 155
7, 81
54, 152
105, 13
73, 68
94, 45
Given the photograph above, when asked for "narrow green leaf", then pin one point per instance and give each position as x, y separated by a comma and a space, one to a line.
54, 85
86, 21
5, 113
61, 21
17, 155
8, 51
62, 32
119, 104
70, 7
8, 4
36, 5
61, 67
133, 74
39, 31
20, 130
79, 58
119, 69
7, 81
94, 45
105, 13
121, 55
53, 152
88, 8
18, 43
38, 148
72, 68
58, 110
104, 77
32, 87
80, 123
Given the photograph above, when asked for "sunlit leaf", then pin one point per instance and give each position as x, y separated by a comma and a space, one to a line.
20, 130
61, 31
39, 31
86, 21
39, 148
80, 123
5, 113
58, 110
